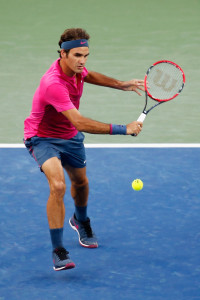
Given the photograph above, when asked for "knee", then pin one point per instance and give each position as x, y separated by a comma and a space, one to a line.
81, 183
58, 188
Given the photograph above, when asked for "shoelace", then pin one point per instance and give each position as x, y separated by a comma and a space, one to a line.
62, 253
87, 228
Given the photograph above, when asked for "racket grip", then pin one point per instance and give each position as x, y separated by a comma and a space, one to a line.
140, 119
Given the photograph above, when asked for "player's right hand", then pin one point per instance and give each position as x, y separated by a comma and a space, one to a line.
134, 128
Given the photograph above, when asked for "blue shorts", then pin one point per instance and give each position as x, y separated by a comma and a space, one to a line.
70, 151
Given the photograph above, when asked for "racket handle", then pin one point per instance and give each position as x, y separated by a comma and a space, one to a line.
140, 119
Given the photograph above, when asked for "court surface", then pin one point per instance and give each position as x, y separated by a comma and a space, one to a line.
149, 241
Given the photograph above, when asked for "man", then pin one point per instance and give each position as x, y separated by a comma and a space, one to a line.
53, 136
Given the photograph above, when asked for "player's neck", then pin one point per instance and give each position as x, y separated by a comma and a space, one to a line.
66, 69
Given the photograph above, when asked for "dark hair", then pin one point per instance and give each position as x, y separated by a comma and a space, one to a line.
73, 34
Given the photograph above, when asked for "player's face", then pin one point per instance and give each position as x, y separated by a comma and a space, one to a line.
75, 61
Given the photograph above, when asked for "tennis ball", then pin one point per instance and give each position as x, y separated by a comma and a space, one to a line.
137, 184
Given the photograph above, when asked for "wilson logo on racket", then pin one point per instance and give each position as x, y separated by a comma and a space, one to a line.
164, 81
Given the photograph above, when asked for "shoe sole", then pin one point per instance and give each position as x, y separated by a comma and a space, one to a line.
66, 267
83, 245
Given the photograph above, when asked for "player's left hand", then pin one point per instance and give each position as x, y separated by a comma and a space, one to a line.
133, 85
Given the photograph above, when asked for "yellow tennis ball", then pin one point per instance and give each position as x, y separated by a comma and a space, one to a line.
137, 184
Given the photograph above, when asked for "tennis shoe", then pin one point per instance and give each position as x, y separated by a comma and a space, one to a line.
62, 260
86, 236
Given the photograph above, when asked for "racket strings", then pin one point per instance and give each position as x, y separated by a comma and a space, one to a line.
165, 80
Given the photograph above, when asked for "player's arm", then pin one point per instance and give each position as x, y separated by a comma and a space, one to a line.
91, 126
103, 80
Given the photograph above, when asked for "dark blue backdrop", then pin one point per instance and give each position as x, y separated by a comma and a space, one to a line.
149, 240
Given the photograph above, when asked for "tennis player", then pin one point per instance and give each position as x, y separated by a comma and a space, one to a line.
53, 135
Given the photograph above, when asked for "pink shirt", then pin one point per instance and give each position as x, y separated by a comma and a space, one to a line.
56, 93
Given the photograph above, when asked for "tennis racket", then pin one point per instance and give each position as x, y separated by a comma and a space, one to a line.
163, 82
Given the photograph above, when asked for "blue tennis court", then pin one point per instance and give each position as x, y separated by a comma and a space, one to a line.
149, 241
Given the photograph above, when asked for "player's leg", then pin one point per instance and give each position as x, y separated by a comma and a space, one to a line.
47, 156
79, 185
53, 170
80, 221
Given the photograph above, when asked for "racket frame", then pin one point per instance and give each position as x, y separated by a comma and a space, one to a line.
146, 82
147, 93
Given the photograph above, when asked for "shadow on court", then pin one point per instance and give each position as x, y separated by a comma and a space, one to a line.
148, 241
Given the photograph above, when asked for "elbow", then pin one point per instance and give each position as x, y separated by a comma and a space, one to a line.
76, 119
79, 125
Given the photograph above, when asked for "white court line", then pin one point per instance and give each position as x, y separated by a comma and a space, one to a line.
119, 145
142, 145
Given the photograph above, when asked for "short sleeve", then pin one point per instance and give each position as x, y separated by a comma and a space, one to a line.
57, 95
